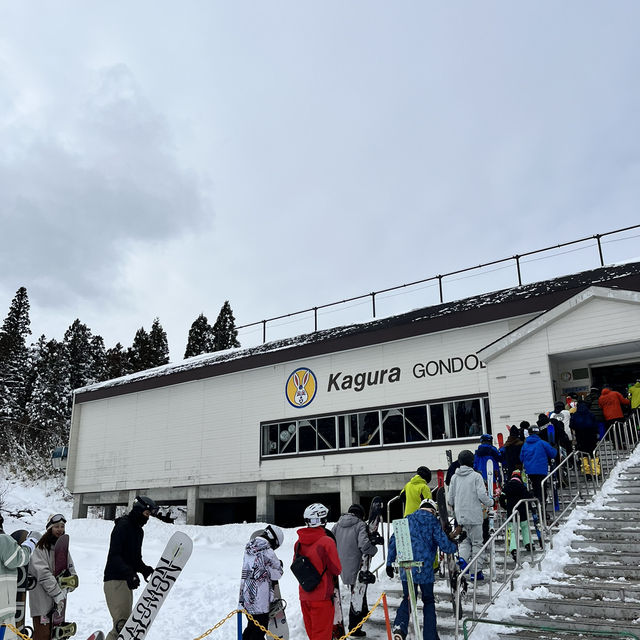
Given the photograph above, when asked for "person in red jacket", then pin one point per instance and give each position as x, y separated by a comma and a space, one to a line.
315, 543
611, 404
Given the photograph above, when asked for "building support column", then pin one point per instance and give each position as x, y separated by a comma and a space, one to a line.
265, 503
347, 497
80, 509
195, 507
110, 512
132, 496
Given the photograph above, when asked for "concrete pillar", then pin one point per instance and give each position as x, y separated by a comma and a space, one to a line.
265, 503
79, 507
347, 496
132, 496
110, 512
195, 506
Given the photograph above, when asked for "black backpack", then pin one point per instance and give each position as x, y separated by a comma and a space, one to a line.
304, 571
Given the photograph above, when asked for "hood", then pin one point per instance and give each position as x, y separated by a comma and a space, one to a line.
485, 449
512, 440
534, 437
348, 520
256, 546
605, 392
417, 480
464, 471
636, 385
309, 535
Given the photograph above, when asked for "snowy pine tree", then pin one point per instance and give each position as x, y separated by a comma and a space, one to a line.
140, 351
78, 342
159, 344
116, 362
14, 370
99, 359
200, 338
225, 334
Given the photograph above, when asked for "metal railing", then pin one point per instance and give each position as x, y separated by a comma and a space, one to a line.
516, 260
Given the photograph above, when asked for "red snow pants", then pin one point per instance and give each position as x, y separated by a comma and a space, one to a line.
318, 618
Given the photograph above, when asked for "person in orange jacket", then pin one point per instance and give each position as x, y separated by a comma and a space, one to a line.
611, 404
317, 544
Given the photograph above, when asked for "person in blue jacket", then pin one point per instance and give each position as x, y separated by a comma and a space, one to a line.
484, 452
426, 536
535, 455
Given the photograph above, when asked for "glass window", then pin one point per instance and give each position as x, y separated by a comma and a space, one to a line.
287, 437
269, 439
307, 435
368, 428
415, 424
393, 426
326, 433
468, 418
438, 430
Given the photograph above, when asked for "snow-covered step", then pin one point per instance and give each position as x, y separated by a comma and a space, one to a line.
614, 522
631, 514
609, 545
592, 608
578, 622
603, 571
595, 589
624, 535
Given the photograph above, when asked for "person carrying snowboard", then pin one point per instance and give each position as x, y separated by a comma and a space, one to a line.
12, 556
47, 595
484, 452
512, 492
467, 496
260, 568
124, 562
416, 490
535, 455
426, 536
316, 544
353, 542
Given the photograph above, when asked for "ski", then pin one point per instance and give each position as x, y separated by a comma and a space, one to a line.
173, 559
452, 565
365, 577
490, 491
500, 440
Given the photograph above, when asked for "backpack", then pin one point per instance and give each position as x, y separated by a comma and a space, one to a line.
304, 571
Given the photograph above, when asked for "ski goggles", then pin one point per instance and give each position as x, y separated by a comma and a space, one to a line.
54, 519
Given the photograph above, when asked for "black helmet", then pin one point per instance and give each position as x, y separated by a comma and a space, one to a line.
465, 458
424, 473
357, 510
144, 503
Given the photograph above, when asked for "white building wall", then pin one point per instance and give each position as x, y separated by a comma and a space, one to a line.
208, 431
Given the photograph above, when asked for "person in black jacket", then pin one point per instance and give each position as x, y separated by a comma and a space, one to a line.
124, 562
512, 492
511, 452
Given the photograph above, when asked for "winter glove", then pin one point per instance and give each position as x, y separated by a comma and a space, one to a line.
59, 602
32, 540
133, 582
389, 570
146, 571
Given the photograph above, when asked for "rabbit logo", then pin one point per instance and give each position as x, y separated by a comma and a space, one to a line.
301, 387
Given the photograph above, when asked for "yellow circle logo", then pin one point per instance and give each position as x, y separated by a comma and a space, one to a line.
301, 387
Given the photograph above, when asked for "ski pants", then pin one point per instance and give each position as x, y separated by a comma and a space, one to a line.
251, 631
524, 534
120, 602
429, 629
318, 618
472, 544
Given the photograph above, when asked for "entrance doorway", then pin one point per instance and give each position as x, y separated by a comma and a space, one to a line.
617, 376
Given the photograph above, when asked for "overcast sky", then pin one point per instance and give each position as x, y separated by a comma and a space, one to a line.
158, 158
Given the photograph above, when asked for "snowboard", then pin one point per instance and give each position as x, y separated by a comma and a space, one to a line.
500, 440
172, 561
96, 635
490, 491
365, 577
25, 583
60, 628
453, 568
278, 624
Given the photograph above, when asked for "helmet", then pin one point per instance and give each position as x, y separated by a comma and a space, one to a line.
427, 503
315, 515
273, 535
142, 503
486, 437
357, 510
424, 473
465, 458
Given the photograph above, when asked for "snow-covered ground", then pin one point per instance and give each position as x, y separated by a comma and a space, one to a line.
208, 587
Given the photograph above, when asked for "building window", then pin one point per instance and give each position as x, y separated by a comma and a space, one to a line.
391, 426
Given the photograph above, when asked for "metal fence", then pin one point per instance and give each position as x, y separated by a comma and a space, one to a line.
515, 260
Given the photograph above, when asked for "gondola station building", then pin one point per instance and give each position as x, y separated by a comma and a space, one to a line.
344, 414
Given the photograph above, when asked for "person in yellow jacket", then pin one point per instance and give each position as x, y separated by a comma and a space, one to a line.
634, 395
416, 490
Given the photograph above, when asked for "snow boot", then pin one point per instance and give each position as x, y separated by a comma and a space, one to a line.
514, 555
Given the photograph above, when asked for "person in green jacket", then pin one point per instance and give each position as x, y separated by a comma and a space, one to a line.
634, 395
416, 490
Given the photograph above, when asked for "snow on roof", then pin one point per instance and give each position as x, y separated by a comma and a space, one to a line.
519, 294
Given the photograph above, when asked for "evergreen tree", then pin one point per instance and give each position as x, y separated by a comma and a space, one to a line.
200, 338
140, 351
116, 362
78, 342
99, 359
14, 368
225, 334
159, 344
49, 408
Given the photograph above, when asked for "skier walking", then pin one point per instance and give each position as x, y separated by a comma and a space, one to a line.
535, 455
353, 542
512, 492
467, 496
486, 451
124, 562
416, 490
510, 452
426, 536
47, 594
12, 556
318, 545
260, 567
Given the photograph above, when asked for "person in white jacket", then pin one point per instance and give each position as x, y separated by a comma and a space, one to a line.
260, 567
467, 495
47, 594
12, 556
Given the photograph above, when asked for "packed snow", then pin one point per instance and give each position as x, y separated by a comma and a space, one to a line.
208, 588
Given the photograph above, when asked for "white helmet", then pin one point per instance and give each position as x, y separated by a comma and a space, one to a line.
429, 504
315, 515
273, 535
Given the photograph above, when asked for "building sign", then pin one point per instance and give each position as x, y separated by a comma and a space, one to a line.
301, 387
